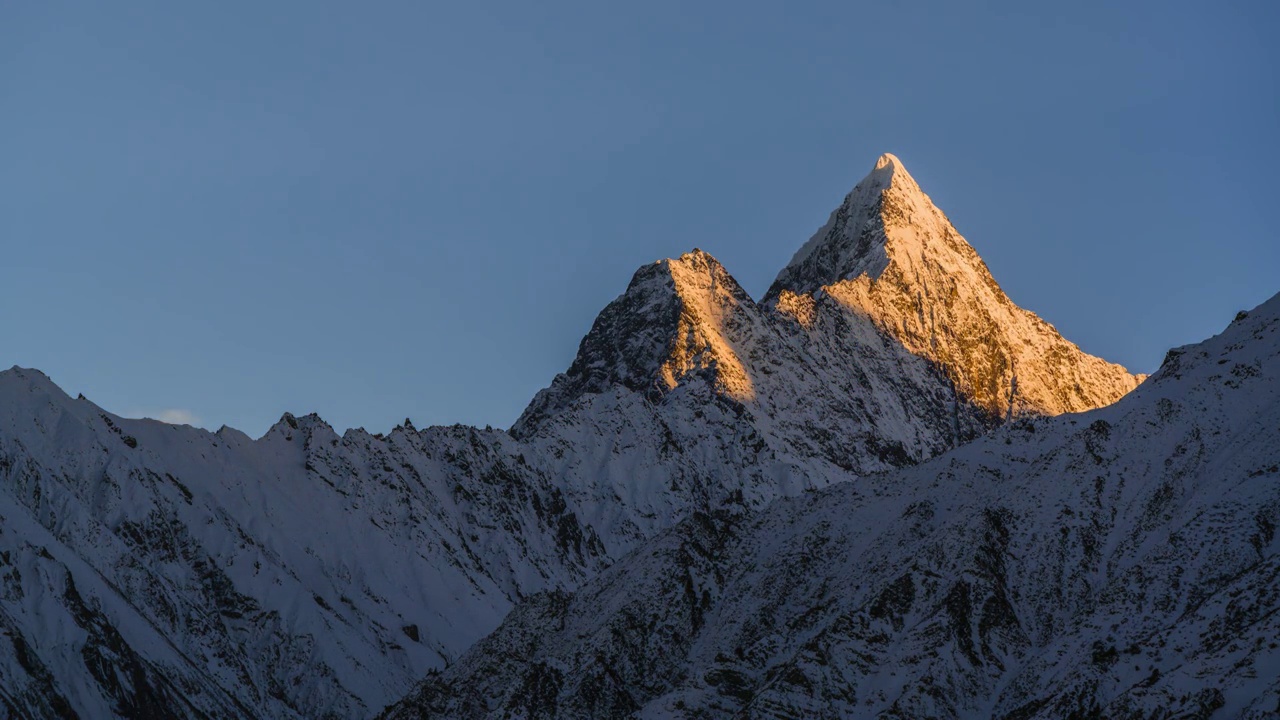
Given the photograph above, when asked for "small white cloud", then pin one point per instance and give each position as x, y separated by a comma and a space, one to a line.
177, 416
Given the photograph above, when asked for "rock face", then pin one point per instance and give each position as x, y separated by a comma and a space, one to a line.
889, 253
152, 570
1121, 563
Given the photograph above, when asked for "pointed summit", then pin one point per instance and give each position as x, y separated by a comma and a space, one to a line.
670, 323
889, 254
887, 166
851, 243
887, 160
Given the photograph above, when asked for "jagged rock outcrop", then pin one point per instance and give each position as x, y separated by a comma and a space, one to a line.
1122, 563
676, 317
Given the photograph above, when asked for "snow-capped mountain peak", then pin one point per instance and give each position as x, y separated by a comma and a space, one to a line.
890, 172
889, 253
671, 322
850, 244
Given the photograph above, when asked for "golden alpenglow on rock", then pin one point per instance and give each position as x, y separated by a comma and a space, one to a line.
889, 253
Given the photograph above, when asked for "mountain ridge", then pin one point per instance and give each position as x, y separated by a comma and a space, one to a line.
314, 574
886, 224
1120, 563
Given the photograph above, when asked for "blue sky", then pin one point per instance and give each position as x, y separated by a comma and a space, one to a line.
381, 210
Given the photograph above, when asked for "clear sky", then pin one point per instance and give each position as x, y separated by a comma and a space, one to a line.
389, 209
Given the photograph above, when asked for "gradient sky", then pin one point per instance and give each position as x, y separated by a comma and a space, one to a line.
391, 209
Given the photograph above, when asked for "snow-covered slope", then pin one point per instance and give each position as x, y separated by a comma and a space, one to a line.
307, 574
300, 575
1121, 563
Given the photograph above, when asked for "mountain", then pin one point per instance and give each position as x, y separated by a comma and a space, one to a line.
154, 570
884, 342
889, 253
1121, 563
688, 394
